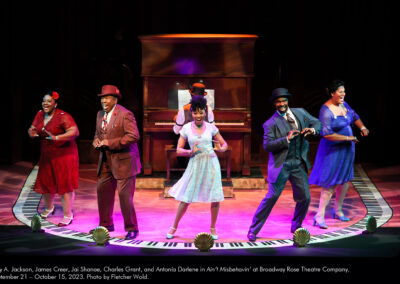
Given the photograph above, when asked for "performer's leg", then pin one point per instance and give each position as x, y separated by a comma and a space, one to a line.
301, 194
326, 194
214, 216
67, 200
49, 205
182, 207
126, 190
106, 186
266, 205
341, 191
48, 200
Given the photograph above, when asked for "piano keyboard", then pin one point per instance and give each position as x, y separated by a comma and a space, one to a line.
164, 123
229, 123
28, 201
217, 123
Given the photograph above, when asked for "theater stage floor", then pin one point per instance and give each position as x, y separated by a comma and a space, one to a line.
155, 213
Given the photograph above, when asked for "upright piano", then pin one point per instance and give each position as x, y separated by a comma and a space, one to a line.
171, 62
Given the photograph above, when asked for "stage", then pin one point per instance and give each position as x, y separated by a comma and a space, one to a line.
373, 192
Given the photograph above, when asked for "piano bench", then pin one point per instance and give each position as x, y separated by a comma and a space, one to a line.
170, 152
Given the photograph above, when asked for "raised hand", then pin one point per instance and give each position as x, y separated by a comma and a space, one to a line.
365, 132
96, 143
32, 131
50, 135
195, 150
217, 146
307, 131
292, 134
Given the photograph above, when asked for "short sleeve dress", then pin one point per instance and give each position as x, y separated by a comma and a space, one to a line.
59, 160
334, 162
201, 181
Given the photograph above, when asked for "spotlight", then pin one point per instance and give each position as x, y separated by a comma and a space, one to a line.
301, 237
371, 224
101, 236
203, 242
36, 223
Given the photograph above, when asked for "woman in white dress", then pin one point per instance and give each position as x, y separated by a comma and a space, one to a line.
201, 181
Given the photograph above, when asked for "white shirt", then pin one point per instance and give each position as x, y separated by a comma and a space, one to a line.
291, 115
109, 114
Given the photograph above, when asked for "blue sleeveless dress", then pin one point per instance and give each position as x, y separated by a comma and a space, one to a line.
201, 181
334, 161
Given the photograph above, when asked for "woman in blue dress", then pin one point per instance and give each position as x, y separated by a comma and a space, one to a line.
333, 167
201, 181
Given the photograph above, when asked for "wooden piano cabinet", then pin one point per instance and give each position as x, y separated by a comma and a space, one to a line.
158, 134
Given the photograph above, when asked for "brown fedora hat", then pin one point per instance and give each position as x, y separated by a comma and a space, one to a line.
110, 90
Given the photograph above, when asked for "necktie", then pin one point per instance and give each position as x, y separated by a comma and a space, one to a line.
105, 122
291, 121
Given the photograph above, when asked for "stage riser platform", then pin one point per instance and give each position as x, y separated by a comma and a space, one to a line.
237, 184
256, 180
226, 187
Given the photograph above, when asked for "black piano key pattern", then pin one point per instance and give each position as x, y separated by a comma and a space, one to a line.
28, 201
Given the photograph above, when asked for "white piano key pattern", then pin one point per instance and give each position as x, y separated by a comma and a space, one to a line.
28, 201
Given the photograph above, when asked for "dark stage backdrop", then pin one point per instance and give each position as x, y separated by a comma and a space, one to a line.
75, 47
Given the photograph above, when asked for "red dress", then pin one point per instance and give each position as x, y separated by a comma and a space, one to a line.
59, 160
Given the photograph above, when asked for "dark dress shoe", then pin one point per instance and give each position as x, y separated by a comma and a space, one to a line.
109, 228
294, 229
251, 237
131, 235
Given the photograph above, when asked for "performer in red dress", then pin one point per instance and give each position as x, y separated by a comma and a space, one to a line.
59, 161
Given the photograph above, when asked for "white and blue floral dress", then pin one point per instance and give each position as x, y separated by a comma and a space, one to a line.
201, 181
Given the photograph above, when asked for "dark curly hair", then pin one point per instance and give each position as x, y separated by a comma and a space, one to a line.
333, 86
53, 94
198, 102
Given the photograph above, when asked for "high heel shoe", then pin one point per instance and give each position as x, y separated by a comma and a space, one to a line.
321, 225
214, 236
67, 222
170, 236
341, 217
46, 212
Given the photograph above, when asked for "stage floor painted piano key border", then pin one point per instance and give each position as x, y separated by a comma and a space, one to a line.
28, 201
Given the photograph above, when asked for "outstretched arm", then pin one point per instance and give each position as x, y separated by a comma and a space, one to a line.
361, 126
314, 126
220, 144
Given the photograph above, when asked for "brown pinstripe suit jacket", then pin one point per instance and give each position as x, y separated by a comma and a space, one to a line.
122, 134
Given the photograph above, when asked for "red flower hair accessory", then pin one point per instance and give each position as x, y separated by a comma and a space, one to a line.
55, 95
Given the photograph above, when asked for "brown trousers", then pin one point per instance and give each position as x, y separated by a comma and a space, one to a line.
106, 186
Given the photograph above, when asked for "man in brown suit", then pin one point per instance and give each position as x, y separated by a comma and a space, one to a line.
119, 161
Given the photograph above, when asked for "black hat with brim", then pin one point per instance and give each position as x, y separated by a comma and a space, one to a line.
279, 93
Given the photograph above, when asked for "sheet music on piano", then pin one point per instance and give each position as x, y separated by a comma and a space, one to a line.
184, 98
177, 98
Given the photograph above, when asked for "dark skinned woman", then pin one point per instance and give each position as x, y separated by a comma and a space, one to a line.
334, 163
59, 161
201, 181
